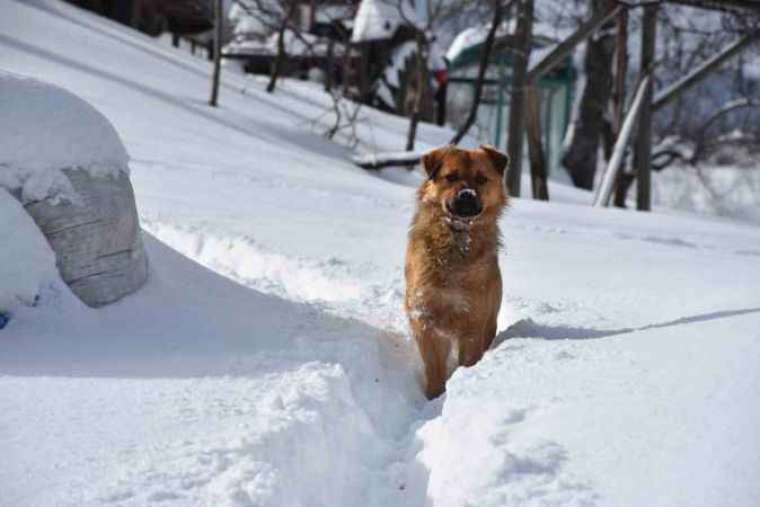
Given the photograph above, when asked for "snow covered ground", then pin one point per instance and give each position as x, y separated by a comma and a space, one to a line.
627, 365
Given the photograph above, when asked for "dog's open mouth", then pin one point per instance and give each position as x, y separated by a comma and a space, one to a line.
458, 222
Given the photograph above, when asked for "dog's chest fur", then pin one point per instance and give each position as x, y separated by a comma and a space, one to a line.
446, 253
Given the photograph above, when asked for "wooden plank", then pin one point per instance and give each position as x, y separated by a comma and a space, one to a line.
604, 192
564, 48
535, 149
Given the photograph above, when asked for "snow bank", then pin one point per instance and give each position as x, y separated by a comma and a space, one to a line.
718, 190
562, 416
27, 265
46, 129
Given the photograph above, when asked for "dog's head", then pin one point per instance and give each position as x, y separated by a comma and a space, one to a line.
466, 184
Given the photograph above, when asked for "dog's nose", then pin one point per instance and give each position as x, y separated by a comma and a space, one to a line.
466, 203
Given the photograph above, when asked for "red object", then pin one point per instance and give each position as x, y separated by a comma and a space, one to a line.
441, 76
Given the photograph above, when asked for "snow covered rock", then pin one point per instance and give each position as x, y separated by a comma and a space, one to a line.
66, 164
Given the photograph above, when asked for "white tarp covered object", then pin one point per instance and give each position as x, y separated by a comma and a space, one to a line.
66, 164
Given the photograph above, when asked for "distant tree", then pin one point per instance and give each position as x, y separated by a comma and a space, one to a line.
274, 17
498, 7
423, 18
218, 27
522, 41
591, 121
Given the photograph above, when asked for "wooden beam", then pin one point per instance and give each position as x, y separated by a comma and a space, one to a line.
602, 197
678, 88
564, 48
535, 150
642, 159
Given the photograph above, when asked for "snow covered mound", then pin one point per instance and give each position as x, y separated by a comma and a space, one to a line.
26, 264
45, 129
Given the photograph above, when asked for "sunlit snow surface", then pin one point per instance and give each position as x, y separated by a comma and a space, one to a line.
626, 370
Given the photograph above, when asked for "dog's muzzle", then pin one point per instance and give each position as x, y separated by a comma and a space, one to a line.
466, 204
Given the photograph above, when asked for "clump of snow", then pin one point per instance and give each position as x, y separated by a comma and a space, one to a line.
27, 263
466, 39
68, 133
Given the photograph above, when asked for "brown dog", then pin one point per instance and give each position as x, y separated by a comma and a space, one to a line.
453, 283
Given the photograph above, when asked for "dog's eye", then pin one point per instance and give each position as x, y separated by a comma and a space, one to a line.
452, 177
480, 179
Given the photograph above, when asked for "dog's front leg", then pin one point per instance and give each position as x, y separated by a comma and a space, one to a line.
434, 350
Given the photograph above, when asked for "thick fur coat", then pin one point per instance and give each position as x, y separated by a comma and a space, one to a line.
453, 282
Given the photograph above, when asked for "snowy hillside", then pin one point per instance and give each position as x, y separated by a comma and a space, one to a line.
626, 370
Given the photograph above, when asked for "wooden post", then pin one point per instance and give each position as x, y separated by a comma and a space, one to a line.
217, 53
535, 150
521, 52
643, 146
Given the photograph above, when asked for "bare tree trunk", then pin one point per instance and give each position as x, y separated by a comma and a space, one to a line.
485, 56
580, 159
279, 59
521, 52
217, 53
538, 181
622, 182
643, 147
414, 117
330, 65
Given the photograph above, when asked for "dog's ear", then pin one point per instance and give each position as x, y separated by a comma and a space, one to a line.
499, 160
432, 161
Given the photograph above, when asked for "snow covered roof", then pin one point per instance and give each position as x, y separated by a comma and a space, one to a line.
379, 19
474, 36
466, 38
46, 128
305, 44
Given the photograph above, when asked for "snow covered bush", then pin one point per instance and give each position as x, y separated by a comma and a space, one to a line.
65, 163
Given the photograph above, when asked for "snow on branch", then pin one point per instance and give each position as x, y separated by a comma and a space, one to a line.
376, 161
